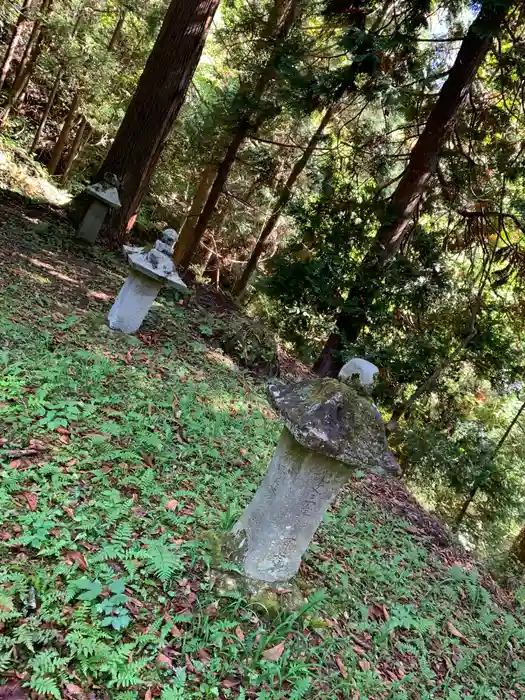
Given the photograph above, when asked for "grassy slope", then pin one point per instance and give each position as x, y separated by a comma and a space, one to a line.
140, 447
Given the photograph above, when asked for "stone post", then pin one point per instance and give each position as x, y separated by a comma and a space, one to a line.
105, 197
151, 270
331, 428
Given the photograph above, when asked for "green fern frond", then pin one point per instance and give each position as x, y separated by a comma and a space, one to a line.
5, 661
162, 561
45, 686
123, 536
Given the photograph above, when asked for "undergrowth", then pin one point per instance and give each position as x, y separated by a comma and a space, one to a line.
120, 455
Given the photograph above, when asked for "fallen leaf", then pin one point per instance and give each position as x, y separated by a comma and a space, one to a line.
68, 511
227, 683
341, 667
359, 650
239, 634
73, 688
163, 660
274, 653
363, 665
62, 431
204, 656
12, 692
148, 695
456, 633
211, 610
73, 556
172, 504
175, 631
378, 612
31, 499
16, 463
26, 452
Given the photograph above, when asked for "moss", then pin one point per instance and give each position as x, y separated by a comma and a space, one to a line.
333, 418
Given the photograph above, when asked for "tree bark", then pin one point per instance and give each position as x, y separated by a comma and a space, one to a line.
31, 54
47, 111
518, 547
64, 135
28, 62
15, 40
55, 87
75, 147
154, 106
201, 195
116, 32
283, 19
411, 187
283, 199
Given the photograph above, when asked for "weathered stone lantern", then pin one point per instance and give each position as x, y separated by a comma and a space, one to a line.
105, 197
151, 270
330, 429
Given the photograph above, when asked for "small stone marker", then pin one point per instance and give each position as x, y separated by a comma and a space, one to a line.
151, 270
105, 197
365, 371
330, 430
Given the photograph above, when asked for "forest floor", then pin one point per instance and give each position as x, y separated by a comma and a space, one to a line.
123, 458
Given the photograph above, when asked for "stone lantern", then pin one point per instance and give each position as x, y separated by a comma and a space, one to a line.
104, 198
151, 270
331, 428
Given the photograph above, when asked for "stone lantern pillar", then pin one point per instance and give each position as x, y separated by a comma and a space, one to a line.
105, 197
330, 429
151, 270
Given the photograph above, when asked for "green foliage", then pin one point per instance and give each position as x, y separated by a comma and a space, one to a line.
120, 581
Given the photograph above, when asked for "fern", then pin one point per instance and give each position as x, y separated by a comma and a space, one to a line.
175, 691
161, 561
123, 536
124, 674
86, 645
45, 686
5, 642
5, 661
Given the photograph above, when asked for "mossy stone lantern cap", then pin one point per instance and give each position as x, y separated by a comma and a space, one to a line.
331, 427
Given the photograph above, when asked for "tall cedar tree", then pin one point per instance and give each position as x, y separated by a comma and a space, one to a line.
422, 164
360, 64
281, 22
154, 106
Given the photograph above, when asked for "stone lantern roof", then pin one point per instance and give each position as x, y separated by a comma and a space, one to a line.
334, 419
106, 192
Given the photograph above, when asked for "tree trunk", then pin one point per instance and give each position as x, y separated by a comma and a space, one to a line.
283, 199
248, 123
28, 62
116, 32
75, 147
518, 547
154, 106
201, 195
64, 135
28, 51
15, 40
55, 87
47, 110
410, 189
427, 385
479, 481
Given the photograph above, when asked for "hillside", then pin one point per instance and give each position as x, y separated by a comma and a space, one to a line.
123, 458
